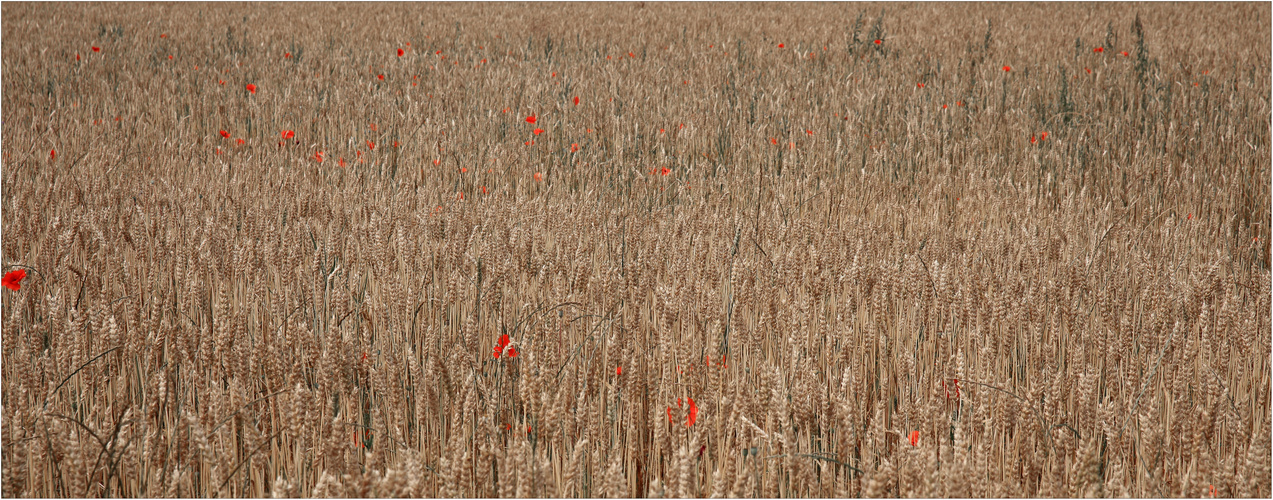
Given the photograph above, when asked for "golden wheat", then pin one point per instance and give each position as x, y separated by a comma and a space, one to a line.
765, 245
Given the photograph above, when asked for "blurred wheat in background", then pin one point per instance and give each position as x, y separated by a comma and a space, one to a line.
687, 250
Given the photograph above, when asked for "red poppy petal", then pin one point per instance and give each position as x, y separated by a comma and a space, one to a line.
13, 279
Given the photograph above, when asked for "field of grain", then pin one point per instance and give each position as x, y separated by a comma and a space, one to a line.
760, 250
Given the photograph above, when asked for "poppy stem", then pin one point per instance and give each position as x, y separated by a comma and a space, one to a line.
244, 407
590, 335
1152, 374
116, 301
244, 460
537, 310
818, 457
77, 370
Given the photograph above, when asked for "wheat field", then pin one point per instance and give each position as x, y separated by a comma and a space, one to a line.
636, 250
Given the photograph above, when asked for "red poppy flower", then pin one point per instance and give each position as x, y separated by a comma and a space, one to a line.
1007, 68
401, 52
287, 134
13, 279
225, 134
531, 119
574, 146
251, 88
1098, 50
1032, 140
240, 141
1124, 53
342, 163
1088, 70
781, 45
1044, 136
220, 82
810, 132
618, 370
878, 41
773, 141
539, 176
163, 35
576, 100
669, 415
943, 106
693, 413
666, 171
512, 353
77, 57
371, 145
319, 156
920, 85
286, 55
503, 340
97, 49
52, 154
914, 438
381, 77
539, 131
631, 55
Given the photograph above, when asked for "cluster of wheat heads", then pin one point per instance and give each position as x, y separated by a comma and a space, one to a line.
755, 258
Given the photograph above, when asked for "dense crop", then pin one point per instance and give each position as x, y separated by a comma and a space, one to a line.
557, 250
